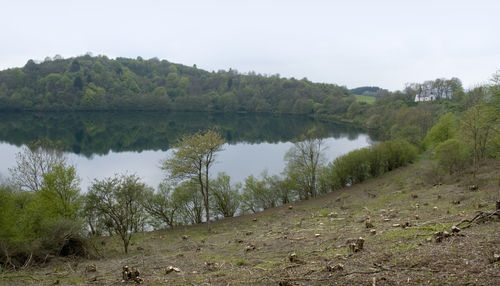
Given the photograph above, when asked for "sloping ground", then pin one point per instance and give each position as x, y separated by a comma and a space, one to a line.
256, 249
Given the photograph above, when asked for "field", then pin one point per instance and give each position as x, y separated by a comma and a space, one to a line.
305, 243
365, 98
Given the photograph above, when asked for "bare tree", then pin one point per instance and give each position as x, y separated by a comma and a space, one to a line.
33, 162
161, 205
303, 162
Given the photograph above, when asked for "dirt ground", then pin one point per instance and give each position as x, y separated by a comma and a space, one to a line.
307, 244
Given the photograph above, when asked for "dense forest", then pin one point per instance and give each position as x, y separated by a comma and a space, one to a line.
100, 83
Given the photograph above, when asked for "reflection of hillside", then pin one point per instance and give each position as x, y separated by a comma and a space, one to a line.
91, 133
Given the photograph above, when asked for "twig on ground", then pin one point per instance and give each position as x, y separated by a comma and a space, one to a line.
479, 217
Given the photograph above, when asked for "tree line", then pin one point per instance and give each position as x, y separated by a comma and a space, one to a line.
100, 83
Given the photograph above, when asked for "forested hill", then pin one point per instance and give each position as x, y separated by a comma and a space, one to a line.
101, 83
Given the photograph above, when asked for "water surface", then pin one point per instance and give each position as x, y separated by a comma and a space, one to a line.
103, 144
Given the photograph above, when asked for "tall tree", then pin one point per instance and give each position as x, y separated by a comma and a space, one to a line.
192, 160
476, 128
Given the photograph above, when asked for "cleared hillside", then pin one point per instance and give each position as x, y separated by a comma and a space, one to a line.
405, 207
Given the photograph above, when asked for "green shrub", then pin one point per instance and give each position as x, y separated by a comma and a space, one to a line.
451, 155
446, 128
362, 164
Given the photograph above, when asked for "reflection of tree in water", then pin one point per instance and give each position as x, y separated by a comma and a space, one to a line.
90, 133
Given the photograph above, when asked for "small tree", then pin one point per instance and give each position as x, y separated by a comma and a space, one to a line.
161, 205
192, 160
476, 128
304, 160
282, 187
61, 191
225, 198
257, 195
190, 202
119, 201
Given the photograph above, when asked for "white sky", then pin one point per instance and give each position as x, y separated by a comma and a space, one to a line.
352, 43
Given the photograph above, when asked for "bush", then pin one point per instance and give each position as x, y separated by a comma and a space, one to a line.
28, 234
64, 237
257, 195
397, 153
451, 155
362, 164
225, 197
446, 128
352, 168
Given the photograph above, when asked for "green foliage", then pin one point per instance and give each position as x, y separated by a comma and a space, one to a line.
451, 155
397, 153
192, 160
118, 200
60, 191
362, 164
365, 98
190, 201
351, 168
10, 215
476, 129
161, 206
446, 128
258, 195
100, 83
225, 197
392, 118
43, 222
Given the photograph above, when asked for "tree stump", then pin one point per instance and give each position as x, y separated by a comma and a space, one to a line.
368, 223
355, 244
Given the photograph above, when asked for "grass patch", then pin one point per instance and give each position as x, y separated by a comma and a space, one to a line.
364, 98
324, 212
269, 264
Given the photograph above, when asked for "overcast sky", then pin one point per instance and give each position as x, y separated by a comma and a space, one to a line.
352, 43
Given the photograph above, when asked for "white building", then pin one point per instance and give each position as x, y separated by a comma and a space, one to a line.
432, 94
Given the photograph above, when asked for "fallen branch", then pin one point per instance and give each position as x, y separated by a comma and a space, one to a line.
481, 216
26, 264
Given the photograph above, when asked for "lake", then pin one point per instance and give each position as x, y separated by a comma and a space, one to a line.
101, 144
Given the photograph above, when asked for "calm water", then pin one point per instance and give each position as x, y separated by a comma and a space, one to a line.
102, 144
